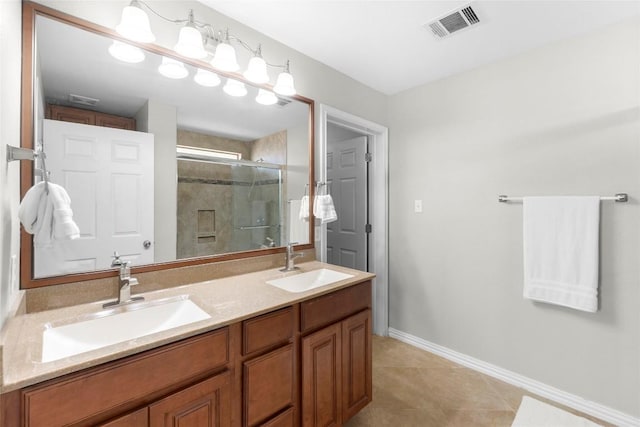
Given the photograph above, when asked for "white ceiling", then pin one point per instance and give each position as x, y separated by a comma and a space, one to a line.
383, 44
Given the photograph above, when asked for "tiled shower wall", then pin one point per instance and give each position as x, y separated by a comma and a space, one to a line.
214, 201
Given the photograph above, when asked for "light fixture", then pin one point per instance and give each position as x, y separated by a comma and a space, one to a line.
257, 69
266, 97
234, 88
196, 40
190, 40
225, 57
284, 84
206, 78
134, 24
125, 52
172, 69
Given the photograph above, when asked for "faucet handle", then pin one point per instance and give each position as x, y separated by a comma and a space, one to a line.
117, 262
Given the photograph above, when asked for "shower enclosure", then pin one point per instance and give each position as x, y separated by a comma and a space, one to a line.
227, 205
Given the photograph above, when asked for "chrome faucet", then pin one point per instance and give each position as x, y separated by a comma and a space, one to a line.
124, 283
290, 257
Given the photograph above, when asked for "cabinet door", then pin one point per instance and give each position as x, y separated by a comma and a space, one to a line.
73, 115
356, 364
110, 121
269, 383
322, 378
285, 419
207, 403
139, 418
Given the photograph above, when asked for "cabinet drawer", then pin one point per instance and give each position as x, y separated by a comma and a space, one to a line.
81, 396
268, 330
269, 383
286, 419
335, 306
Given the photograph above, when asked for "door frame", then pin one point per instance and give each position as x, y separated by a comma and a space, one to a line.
378, 203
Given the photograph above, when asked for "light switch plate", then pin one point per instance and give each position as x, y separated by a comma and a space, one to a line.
417, 206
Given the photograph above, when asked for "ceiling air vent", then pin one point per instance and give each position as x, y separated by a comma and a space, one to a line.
282, 102
453, 21
83, 100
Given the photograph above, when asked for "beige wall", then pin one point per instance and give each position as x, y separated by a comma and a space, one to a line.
161, 120
10, 45
559, 120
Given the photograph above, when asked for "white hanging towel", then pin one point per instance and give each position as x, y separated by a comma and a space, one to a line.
298, 227
561, 250
303, 214
323, 209
48, 216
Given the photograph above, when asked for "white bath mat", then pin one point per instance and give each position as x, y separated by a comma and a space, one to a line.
533, 413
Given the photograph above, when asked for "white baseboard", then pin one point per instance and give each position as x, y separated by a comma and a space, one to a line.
597, 410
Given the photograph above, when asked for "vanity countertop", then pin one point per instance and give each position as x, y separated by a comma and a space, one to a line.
227, 300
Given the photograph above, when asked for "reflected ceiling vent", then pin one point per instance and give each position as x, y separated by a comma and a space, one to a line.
452, 22
282, 102
83, 100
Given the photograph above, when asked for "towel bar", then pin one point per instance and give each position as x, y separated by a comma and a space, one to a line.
619, 197
19, 153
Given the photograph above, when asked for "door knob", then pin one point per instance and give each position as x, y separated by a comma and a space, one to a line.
146, 244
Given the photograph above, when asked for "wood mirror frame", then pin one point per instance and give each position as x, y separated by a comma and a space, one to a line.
27, 281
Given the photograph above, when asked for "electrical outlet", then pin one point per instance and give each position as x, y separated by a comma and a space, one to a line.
417, 206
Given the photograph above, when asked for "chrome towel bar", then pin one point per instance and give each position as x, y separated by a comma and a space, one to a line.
619, 197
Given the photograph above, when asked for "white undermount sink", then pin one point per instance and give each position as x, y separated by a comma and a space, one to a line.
311, 279
118, 325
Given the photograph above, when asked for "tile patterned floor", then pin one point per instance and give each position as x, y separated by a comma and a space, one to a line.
412, 387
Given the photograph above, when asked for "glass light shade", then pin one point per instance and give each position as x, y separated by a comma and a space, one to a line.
125, 52
234, 88
284, 85
206, 78
266, 97
172, 69
257, 70
190, 43
225, 58
134, 25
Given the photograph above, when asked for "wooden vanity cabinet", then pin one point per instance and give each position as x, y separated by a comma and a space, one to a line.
269, 379
336, 359
176, 377
307, 364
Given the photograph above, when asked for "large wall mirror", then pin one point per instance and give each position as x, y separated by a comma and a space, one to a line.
165, 171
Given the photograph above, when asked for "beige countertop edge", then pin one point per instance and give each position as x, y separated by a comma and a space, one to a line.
227, 300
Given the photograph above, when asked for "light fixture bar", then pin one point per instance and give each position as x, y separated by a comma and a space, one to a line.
193, 37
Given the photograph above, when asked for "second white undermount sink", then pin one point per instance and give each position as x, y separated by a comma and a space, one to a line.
117, 325
311, 279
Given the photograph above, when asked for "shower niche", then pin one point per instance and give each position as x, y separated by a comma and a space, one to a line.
230, 194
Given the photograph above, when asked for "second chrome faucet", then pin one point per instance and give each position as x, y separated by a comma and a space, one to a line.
125, 282
289, 258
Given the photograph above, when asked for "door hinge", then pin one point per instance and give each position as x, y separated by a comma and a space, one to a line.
367, 228
368, 157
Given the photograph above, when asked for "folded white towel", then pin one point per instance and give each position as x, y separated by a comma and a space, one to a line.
48, 216
324, 210
561, 250
304, 209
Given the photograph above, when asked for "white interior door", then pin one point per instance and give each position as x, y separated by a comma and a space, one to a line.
347, 181
108, 174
